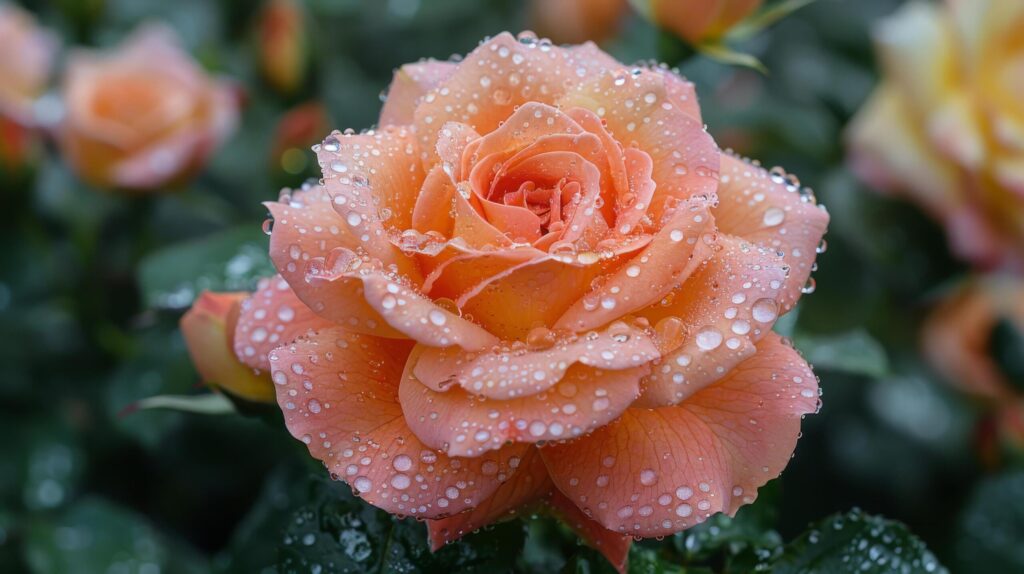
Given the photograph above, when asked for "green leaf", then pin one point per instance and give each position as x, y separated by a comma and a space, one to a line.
231, 260
98, 536
855, 542
855, 352
641, 561
992, 526
720, 52
337, 532
765, 18
205, 404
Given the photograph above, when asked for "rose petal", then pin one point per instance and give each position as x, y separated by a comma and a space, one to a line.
681, 245
271, 317
463, 424
656, 472
401, 305
432, 211
208, 329
521, 493
638, 109
499, 75
410, 83
711, 324
306, 228
506, 373
767, 210
338, 391
612, 545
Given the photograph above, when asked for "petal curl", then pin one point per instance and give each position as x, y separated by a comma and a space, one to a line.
656, 472
768, 210
273, 316
339, 394
518, 371
463, 424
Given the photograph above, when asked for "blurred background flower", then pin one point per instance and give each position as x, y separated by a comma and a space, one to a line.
697, 21
946, 125
143, 115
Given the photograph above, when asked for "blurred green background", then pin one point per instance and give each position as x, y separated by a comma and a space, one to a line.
92, 286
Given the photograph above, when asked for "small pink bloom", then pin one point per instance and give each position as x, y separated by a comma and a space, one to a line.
143, 115
27, 55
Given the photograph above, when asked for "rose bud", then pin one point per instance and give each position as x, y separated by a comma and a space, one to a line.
209, 331
143, 115
577, 21
696, 21
540, 284
284, 54
944, 127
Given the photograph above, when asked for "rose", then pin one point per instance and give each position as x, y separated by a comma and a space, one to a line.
539, 282
696, 21
946, 125
959, 341
26, 60
142, 116
575, 21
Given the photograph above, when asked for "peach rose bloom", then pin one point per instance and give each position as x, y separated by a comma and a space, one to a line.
144, 115
539, 282
696, 21
945, 128
576, 21
27, 55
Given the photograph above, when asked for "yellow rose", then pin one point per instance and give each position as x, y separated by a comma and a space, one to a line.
945, 127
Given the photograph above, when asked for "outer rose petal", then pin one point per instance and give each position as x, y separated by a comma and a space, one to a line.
499, 75
208, 328
305, 228
338, 391
684, 154
612, 545
517, 371
712, 322
679, 247
410, 84
273, 316
523, 492
462, 424
656, 472
766, 210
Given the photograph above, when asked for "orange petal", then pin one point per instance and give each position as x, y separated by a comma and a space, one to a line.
306, 228
681, 245
530, 122
463, 424
208, 328
432, 211
506, 373
501, 74
657, 472
684, 155
768, 210
374, 179
525, 489
410, 83
612, 545
712, 323
339, 394
271, 317
403, 307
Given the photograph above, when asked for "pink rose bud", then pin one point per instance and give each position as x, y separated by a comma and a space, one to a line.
209, 330
26, 59
577, 21
143, 115
696, 21
283, 45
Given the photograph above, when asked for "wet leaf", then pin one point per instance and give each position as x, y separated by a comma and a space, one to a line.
855, 352
992, 527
